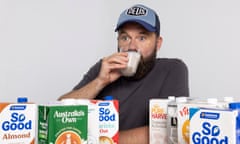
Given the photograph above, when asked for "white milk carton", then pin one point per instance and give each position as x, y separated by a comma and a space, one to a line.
18, 123
93, 115
212, 126
108, 121
93, 124
158, 121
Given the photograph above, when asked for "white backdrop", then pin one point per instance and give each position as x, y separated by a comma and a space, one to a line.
46, 46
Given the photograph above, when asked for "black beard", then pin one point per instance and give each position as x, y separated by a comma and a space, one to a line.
144, 67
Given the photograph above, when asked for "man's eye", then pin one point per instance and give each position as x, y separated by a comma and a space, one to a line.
124, 38
142, 38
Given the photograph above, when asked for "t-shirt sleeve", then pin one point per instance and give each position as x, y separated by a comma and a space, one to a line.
176, 82
89, 76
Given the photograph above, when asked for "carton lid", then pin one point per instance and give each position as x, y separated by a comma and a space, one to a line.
22, 99
234, 105
109, 97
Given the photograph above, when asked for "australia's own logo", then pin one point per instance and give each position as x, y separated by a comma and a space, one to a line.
137, 11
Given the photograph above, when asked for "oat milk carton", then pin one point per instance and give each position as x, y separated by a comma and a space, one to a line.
62, 124
212, 126
108, 121
158, 121
18, 123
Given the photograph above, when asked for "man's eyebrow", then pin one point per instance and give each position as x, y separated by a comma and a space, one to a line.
144, 32
122, 32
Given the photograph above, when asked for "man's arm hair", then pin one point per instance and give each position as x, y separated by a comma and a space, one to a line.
89, 91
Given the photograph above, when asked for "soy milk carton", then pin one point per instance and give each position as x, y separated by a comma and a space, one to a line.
212, 126
158, 121
18, 123
62, 124
108, 121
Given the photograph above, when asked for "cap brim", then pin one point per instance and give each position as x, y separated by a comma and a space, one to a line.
147, 26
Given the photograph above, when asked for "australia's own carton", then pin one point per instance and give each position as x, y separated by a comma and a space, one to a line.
212, 126
18, 123
62, 124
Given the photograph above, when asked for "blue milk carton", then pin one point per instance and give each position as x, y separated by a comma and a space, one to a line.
212, 126
236, 106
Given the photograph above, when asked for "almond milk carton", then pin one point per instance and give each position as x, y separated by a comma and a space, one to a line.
62, 124
212, 126
158, 121
18, 123
108, 121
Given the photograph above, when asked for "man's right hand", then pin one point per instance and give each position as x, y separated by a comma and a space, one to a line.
110, 67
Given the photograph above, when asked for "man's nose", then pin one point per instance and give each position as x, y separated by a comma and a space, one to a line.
132, 45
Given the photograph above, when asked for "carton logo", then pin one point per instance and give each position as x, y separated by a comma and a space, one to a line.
17, 122
158, 112
210, 134
69, 117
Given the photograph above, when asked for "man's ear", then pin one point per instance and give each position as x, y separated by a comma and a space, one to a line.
159, 42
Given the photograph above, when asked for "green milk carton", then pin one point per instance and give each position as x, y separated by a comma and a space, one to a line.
62, 124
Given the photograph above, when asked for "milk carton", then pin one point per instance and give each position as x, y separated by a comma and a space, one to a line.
212, 126
93, 115
158, 121
62, 124
18, 123
183, 115
108, 121
172, 119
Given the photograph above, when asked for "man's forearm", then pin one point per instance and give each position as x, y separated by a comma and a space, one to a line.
135, 136
89, 91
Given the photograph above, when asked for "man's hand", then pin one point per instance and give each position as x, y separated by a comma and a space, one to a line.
111, 65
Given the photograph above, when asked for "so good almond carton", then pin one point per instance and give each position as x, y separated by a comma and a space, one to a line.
17, 123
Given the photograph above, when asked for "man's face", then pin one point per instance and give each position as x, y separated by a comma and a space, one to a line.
133, 37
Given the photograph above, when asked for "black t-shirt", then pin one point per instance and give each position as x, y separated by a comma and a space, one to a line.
169, 77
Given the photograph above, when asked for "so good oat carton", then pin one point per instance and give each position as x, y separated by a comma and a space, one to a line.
17, 122
108, 121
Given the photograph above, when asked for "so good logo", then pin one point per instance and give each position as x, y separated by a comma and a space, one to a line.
17, 122
106, 115
210, 134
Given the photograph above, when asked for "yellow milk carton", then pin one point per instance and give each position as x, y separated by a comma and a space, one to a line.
158, 121
212, 126
18, 123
